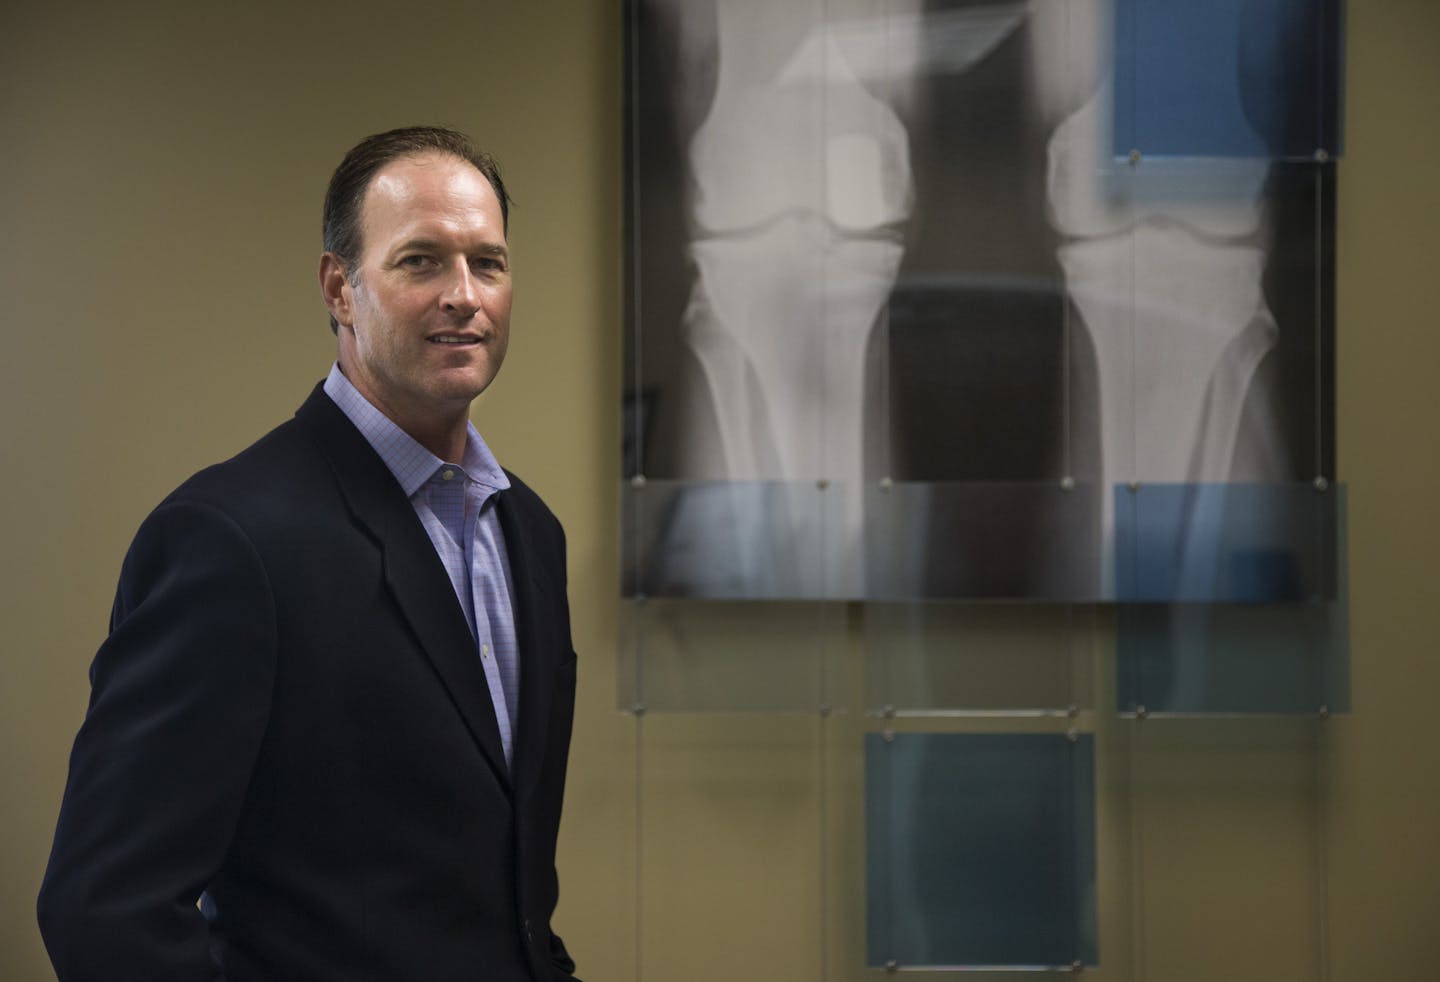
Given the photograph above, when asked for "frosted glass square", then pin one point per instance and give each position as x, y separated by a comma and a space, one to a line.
730, 540
1242, 658
944, 657
981, 850
679, 655
1013, 540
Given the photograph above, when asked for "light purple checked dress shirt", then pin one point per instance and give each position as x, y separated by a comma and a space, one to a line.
456, 504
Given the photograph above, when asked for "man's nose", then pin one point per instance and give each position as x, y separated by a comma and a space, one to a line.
462, 292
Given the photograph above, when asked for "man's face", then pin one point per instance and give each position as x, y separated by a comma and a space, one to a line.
424, 327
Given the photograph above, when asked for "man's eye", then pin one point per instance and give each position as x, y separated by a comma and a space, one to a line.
415, 262
489, 263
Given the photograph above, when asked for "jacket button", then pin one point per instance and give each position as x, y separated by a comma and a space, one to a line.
525, 923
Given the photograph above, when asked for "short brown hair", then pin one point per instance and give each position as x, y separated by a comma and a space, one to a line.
346, 193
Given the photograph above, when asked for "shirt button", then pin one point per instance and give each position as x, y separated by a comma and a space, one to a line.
447, 474
484, 651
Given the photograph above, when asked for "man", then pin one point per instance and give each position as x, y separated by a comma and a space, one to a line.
328, 732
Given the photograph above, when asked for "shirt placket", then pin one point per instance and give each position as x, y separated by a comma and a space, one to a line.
484, 630
454, 505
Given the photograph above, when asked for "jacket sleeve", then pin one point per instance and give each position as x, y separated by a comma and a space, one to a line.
560, 958
180, 695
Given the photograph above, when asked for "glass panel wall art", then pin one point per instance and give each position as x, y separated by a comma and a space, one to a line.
980, 374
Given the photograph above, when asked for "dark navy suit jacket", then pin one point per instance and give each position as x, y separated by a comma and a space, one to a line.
290, 718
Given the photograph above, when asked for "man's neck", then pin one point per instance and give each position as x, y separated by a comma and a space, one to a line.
445, 441
443, 433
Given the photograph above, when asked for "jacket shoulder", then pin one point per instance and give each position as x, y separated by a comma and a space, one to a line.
269, 470
285, 481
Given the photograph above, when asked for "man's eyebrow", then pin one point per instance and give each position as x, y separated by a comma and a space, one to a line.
420, 242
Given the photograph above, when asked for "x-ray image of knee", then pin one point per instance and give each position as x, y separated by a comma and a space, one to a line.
879, 243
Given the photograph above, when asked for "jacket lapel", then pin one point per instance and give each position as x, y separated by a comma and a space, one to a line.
529, 604
413, 571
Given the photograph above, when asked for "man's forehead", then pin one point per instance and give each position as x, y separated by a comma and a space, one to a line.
428, 195
418, 175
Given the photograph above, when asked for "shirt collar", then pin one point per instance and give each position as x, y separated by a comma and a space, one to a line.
411, 463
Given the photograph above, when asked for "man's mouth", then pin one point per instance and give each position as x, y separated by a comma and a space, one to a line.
457, 339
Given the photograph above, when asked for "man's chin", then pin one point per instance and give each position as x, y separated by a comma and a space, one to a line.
460, 387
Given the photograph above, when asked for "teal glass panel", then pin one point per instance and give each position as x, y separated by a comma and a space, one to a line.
955, 658
1225, 543
1240, 658
1232, 658
980, 851
992, 540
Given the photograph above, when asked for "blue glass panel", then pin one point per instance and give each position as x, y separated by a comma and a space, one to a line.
980, 850
1243, 657
1232, 78
1016, 540
1225, 543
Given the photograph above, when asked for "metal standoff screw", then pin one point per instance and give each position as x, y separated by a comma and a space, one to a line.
1320, 483
1324, 712
1135, 157
1133, 486
886, 484
1077, 966
637, 481
1072, 711
888, 711
823, 483
888, 736
1067, 483
638, 709
1141, 712
824, 709
892, 966
1072, 735
1321, 155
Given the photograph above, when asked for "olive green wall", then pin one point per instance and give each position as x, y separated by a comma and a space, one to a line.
160, 180
1384, 768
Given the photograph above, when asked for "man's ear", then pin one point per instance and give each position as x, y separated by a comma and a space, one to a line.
335, 288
